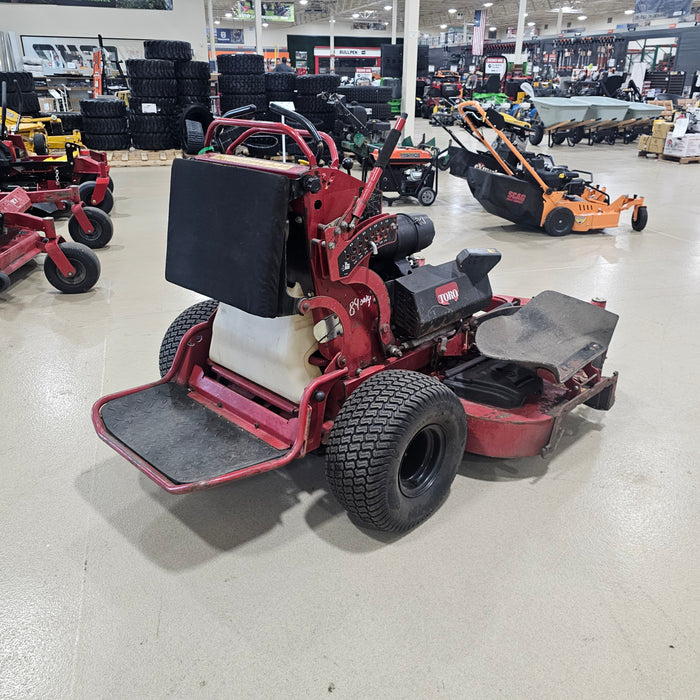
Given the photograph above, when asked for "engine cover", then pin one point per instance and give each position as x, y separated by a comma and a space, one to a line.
436, 296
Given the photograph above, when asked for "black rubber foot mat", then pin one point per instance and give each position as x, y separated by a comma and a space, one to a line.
181, 438
552, 331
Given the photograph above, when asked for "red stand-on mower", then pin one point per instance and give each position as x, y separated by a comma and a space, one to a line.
325, 331
69, 267
79, 166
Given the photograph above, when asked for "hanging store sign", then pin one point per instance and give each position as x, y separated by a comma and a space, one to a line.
348, 52
654, 9
228, 36
123, 4
271, 11
369, 26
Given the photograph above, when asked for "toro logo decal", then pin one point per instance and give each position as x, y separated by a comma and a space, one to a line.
517, 197
447, 293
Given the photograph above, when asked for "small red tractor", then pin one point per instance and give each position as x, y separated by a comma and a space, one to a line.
323, 330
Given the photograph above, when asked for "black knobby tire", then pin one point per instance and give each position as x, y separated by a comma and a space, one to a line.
379, 111
138, 68
394, 449
185, 100
106, 125
426, 196
102, 228
323, 121
87, 188
197, 88
536, 134
87, 269
107, 142
163, 105
25, 80
576, 136
639, 223
311, 103
559, 222
558, 139
39, 143
241, 84
197, 313
69, 121
29, 104
233, 101
193, 142
368, 94
149, 123
168, 50
280, 96
154, 142
103, 108
313, 84
192, 70
147, 87
236, 64
279, 82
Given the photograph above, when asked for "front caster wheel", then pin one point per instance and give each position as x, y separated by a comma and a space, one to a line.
102, 228
87, 188
394, 449
639, 222
87, 269
426, 196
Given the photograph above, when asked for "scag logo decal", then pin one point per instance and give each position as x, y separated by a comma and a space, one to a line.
517, 197
447, 293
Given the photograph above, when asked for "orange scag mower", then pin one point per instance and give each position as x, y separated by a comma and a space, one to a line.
528, 188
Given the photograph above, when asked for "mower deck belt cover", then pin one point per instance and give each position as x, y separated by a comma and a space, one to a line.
434, 296
552, 331
507, 196
233, 251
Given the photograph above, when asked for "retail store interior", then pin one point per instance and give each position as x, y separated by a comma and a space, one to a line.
349, 349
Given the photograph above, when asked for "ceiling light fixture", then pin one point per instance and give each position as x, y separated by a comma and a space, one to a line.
443, 26
228, 15
303, 2
388, 8
355, 15
452, 10
530, 24
492, 29
629, 12
488, 4
216, 21
265, 24
582, 17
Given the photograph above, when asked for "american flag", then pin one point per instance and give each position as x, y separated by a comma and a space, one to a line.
479, 28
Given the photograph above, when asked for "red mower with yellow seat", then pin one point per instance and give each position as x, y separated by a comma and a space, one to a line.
322, 330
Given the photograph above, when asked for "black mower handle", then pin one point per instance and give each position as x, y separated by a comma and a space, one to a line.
239, 112
3, 119
300, 119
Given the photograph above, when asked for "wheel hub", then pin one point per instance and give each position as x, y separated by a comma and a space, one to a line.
421, 461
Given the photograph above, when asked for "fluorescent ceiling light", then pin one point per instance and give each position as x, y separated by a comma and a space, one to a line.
216, 21
530, 24
303, 2
443, 26
355, 15
452, 10
265, 24
228, 15
582, 17
386, 24
629, 12
492, 29
388, 8
488, 4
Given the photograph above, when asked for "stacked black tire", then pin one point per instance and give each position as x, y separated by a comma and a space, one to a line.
152, 102
279, 87
21, 95
314, 108
373, 98
104, 124
192, 83
242, 81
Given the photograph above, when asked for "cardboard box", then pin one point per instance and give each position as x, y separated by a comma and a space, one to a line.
46, 104
655, 145
643, 142
684, 147
661, 128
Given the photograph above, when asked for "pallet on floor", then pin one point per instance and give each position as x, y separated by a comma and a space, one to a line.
139, 158
681, 159
644, 154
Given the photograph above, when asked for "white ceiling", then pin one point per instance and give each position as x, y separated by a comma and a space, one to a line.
433, 13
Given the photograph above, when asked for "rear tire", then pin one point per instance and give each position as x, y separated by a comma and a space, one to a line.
87, 269
536, 134
40, 147
191, 316
558, 139
102, 228
394, 449
639, 223
559, 222
87, 188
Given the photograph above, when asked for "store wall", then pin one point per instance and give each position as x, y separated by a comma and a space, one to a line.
185, 22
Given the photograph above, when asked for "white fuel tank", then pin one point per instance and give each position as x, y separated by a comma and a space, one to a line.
272, 352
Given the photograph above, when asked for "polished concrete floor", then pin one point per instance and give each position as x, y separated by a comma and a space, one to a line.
574, 576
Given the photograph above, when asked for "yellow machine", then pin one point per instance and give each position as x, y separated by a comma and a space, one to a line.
36, 138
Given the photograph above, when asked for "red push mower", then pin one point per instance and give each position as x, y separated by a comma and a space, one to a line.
326, 332
70, 267
79, 166
529, 189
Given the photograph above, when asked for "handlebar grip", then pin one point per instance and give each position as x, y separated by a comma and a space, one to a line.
239, 112
391, 142
3, 119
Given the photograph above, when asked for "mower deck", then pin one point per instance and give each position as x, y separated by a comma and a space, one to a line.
181, 438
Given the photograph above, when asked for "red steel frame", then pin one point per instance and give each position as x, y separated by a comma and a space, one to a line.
366, 346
